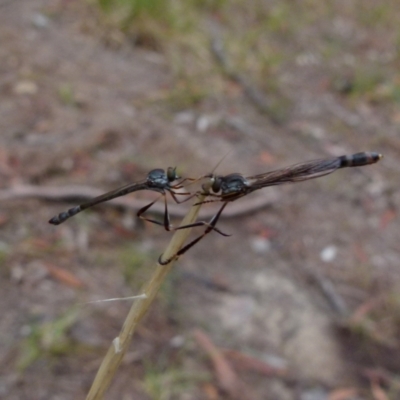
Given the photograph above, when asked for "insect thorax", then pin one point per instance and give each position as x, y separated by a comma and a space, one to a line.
233, 183
157, 178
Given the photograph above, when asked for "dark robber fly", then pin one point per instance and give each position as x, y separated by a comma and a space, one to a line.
234, 186
157, 180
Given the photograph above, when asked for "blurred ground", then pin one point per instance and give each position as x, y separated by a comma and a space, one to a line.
76, 110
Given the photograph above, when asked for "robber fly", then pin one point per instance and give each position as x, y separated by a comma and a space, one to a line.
234, 186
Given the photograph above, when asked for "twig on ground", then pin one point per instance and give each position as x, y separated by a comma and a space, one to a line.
256, 96
328, 289
245, 362
82, 193
227, 378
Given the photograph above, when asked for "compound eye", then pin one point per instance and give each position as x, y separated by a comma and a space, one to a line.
171, 174
216, 186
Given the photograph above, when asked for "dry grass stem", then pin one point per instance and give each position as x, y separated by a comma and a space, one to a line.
139, 308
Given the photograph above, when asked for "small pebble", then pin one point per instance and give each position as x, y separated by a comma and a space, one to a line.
260, 244
177, 341
25, 87
40, 20
328, 254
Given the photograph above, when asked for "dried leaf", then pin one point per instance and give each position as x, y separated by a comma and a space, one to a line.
246, 362
64, 276
343, 394
386, 218
378, 392
227, 378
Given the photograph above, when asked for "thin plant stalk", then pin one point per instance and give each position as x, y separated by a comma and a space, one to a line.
139, 308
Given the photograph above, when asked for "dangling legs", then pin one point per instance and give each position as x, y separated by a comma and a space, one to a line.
210, 226
167, 222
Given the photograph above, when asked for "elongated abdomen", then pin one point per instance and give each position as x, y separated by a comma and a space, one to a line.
359, 159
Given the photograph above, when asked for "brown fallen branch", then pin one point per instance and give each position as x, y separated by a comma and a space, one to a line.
83, 193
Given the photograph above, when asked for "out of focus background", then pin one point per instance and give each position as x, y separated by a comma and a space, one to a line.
302, 301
